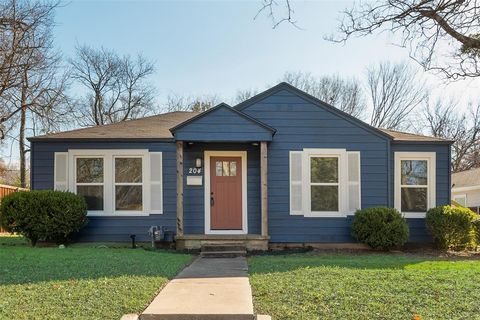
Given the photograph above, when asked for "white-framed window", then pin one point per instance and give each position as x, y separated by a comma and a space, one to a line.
114, 182
324, 182
128, 182
89, 180
461, 199
415, 183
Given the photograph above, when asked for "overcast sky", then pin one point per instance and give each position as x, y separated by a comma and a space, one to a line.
217, 47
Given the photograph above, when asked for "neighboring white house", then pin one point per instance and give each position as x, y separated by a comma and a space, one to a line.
466, 188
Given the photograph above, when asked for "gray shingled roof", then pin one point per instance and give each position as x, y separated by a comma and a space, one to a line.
405, 136
466, 178
153, 127
158, 127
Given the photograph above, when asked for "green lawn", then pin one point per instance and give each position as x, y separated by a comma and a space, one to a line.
372, 286
80, 282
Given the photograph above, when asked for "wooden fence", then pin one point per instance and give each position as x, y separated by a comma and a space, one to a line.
4, 190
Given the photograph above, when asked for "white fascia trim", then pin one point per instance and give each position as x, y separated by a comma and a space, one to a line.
108, 183
243, 155
430, 157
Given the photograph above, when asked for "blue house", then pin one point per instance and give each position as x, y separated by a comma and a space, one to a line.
280, 168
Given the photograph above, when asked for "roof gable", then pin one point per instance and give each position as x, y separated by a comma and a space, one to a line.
315, 101
223, 123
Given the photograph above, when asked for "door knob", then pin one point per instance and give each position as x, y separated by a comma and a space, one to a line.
212, 201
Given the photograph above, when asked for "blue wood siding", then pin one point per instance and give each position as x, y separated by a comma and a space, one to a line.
223, 125
112, 228
418, 231
120, 228
301, 124
194, 212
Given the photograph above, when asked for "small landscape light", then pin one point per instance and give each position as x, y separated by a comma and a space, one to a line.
132, 236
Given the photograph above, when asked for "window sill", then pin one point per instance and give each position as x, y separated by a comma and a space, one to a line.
325, 215
414, 214
113, 214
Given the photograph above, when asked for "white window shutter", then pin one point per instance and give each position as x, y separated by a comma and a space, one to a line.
60, 171
296, 194
354, 185
156, 183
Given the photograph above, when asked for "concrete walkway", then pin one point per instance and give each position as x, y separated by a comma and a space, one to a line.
210, 288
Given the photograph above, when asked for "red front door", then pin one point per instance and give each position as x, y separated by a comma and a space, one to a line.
226, 193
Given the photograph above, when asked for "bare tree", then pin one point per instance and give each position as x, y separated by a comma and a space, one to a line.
443, 120
190, 103
243, 95
34, 100
394, 91
41, 101
442, 35
345, 94
25, 28
118, 87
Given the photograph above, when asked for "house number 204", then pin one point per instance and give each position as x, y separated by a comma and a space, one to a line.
194, 170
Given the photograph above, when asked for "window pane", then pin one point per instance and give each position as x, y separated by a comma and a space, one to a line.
226, 168
233, 168
93, 196
90, 170
128, 169
414, 172
128, 198
324, 169
414, 199
218, 168
324, 198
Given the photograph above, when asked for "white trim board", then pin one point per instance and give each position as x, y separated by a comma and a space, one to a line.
463, 189
243, 155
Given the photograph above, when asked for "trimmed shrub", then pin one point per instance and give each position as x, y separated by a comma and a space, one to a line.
451, 227
476, 227
380, 228
43, 215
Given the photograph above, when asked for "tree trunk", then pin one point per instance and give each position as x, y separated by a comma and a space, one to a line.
21, 141
21, 137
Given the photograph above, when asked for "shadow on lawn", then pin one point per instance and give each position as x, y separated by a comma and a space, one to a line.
372, 261
22, 264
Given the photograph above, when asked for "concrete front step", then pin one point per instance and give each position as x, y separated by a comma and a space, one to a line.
223, 254
222, 247
229, 249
